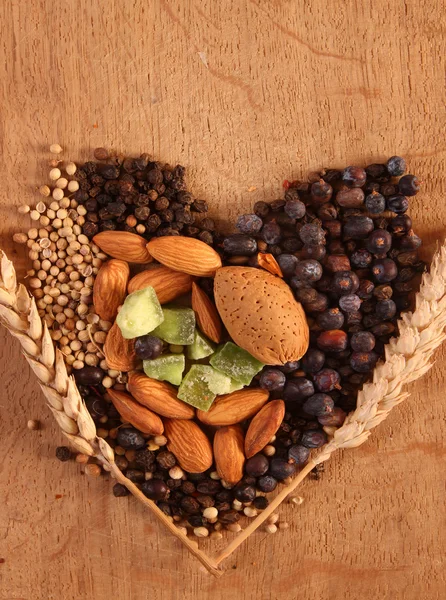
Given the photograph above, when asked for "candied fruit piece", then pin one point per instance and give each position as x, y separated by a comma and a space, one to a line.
236, 363
140, 314
178, 326
201, 348
168, 367
201, 385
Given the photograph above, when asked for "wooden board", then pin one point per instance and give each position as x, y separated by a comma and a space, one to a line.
245, 94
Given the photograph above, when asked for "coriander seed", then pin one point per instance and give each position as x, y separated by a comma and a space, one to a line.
57, 194
23, 209
62, 183
35, 215
55, 149
44, 190
55, 174
71, 168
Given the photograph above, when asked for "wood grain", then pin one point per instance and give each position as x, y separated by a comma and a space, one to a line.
245, 94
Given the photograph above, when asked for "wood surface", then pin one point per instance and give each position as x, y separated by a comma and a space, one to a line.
245, 95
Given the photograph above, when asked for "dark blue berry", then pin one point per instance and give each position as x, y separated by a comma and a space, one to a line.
396, 165
350, 303
271, 233
397, 204
354, 176
314, 359
314, 438
362, 341
148, 347
385, 309
308, 270
287, 263
299, 454
312, 234
358, 227
379, 241
384, 270
295, 209
409, 185
331, 318
250, 224
272, 380
319, 405
239, 244
326, 380
375, 203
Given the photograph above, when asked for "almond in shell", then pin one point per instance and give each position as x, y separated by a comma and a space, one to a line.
189, 444
206, 313
139, 416
123, 245
159, 396
228, 453
119, 352
261, 314
263, 426
110, 288
186, 255
168, 284
235, 407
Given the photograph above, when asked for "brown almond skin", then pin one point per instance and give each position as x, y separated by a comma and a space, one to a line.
119, 352
234, 408
187, 255
228, 453
110, 288
159, 396
190, 445
168, 284
139, 416
269, 263
124, 246
261, 314
263, 426
208, 319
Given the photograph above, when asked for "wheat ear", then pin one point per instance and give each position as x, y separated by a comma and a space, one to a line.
18, 313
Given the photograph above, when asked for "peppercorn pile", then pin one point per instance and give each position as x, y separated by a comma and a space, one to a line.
140, 196
348, 251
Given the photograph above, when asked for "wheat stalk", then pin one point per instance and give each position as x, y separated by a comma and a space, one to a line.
406, 359
18, 313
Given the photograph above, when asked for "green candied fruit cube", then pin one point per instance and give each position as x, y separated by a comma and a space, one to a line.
201, 385
236, 386
140, 314
178, 326
168, 367
236, 363
201, 347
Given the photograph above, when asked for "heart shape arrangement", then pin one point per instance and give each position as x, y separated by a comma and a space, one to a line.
285, 331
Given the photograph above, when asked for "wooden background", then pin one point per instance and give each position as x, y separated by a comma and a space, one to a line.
245, 94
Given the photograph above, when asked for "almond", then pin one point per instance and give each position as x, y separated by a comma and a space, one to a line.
184, 254
263, 426
206, 313
168, 284
269, 263
159, 396
234, 408
123, 245
139, 416
228, 453
119, 352
110, 288
261, 314
190, 445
